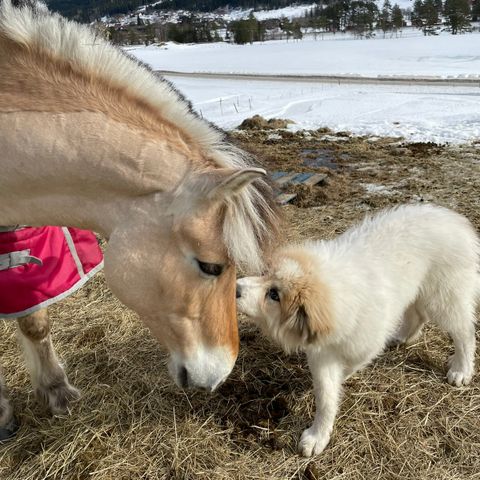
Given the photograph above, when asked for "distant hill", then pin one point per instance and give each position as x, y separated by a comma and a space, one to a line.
89, 10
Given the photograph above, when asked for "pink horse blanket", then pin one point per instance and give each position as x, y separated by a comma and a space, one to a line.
42, 265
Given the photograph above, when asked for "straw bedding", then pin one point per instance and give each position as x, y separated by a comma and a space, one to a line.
399, 418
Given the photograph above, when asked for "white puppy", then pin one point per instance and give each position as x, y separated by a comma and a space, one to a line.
343, 300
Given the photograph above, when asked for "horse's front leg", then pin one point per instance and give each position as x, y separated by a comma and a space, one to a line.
47, 375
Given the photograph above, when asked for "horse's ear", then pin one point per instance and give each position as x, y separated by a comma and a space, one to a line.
227, 182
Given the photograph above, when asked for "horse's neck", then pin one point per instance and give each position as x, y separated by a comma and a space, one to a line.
78, 169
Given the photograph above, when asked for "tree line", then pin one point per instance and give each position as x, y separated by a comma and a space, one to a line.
361, 17
457, 15
90, 10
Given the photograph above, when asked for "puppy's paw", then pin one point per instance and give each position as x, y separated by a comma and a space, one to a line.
458, 373
459, 377
312, 443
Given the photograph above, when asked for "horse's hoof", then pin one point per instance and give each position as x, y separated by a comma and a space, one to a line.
9, 431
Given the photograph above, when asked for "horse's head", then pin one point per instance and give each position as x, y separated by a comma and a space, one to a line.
177, 269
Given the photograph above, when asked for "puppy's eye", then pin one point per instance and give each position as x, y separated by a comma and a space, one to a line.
273, 294
212, 269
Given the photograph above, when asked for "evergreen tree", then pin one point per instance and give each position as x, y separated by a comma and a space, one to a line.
149, 34
240, 32
385, 17
287, 26
260, 32
416, 16
132, 38
297, 31
475, 10
362, 17
397, 17
253, 28
322, 22
457, 13
335, 13
431, 17
425, 16
247, 31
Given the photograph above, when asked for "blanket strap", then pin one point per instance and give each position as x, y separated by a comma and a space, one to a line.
10, 228
17, 259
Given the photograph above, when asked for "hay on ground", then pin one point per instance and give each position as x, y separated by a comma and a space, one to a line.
399, 419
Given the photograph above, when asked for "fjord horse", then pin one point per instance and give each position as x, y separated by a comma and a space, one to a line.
91, 138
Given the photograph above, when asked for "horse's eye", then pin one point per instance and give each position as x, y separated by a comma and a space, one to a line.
273, 294
212, 269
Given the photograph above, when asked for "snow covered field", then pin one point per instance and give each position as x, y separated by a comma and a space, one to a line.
444, 55
419, 113
439, 114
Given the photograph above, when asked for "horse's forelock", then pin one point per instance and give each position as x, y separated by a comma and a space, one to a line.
251, 226
252, 218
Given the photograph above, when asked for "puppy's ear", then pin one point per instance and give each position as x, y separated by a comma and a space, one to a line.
308, 313
314, 319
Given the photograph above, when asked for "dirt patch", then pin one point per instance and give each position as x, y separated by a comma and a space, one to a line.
372, 173
423, 148
257, 122
398, 418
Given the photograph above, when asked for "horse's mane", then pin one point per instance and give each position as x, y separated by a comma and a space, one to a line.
251, 218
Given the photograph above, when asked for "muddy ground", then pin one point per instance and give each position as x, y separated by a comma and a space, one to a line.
399, 419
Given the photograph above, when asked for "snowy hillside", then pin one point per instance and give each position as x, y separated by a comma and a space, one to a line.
291, 12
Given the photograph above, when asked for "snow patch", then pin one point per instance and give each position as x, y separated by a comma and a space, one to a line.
274, 136
378, 189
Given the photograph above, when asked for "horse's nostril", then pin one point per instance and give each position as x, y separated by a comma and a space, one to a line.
238, 292
183, 377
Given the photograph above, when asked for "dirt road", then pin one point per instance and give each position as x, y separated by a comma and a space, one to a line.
348, 79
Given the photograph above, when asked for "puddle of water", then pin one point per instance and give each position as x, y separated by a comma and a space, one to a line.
321, 157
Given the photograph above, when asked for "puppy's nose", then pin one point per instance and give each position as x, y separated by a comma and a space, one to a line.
238, 291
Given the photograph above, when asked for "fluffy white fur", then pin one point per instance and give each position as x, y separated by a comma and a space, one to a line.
382, 280
32, 24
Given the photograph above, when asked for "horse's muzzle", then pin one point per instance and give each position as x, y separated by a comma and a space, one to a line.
205, 370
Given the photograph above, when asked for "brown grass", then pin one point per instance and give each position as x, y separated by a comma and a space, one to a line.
399, 418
